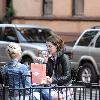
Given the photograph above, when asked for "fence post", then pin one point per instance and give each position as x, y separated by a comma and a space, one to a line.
5, 93
90, 92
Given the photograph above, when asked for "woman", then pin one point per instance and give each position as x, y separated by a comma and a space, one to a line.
58, 69
15, 73
58, 64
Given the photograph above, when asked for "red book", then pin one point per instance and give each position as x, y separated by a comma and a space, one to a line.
38, 72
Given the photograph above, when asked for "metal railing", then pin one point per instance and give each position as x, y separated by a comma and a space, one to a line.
77, 92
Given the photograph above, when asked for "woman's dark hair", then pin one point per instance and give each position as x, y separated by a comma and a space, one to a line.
56, 41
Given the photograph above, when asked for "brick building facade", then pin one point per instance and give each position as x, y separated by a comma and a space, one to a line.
66, 17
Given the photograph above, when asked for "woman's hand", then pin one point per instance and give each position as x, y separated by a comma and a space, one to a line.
38, 60
45, 56
49, 80
46, 80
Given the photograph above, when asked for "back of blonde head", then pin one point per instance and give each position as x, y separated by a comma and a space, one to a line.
13, 48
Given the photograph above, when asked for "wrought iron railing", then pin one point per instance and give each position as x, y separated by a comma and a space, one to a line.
83, 92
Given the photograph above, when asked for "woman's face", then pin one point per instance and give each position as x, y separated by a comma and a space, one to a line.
52, 49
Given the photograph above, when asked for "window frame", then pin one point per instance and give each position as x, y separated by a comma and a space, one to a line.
46, 10
77, 7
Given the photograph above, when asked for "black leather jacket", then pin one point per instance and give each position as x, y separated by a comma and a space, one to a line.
61, 69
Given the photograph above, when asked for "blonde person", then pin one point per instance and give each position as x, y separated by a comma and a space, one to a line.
13, 68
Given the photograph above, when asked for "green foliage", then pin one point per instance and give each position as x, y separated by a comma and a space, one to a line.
9, 12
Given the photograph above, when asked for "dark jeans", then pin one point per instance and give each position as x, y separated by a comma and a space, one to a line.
45, 95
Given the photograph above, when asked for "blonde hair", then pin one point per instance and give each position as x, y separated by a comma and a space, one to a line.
13, 49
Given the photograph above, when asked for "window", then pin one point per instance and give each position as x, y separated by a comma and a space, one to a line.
98, 42
78, 7
86, 38
36, 35
9, 35
47, 7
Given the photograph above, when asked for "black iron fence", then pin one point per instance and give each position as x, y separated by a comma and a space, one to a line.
80, 92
